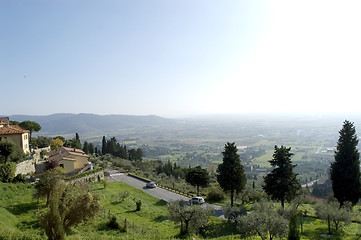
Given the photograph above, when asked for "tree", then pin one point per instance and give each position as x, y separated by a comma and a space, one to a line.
7, 172
191, 217
44, 187
281, 183
197, 177
91, 148
7, 148
104, 146
75, 142
56, 143
264, 221
86, 147
31, 126
41, 141
135, 154
293, 229
345, 170
139, 154
230, 173
14, 122
111, 146
61, 138
333, 213
69, 206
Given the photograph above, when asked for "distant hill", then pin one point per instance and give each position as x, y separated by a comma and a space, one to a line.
66, 123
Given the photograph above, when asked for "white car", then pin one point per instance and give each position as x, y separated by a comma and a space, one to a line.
151, 184
196, 200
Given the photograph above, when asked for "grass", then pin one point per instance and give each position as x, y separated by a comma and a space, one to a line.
19, 218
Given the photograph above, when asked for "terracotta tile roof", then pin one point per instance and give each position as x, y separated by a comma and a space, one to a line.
65, 153
12, 129
68, 159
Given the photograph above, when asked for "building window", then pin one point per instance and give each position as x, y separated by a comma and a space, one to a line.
61, 165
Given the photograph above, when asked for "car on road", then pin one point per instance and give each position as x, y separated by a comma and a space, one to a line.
151, 184
196, 200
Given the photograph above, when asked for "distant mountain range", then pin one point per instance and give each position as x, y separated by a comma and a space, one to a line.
67, 123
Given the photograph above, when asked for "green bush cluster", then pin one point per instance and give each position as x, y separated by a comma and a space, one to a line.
7, 172
215, 195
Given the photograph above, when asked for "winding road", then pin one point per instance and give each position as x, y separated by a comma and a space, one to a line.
116, 176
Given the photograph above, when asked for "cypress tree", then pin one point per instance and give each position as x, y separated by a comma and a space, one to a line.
231, 176
345, 170
281, 183
86, 147
104, 146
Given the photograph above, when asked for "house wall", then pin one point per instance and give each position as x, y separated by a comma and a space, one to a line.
21, 140
25, 142
68, 165
81, 162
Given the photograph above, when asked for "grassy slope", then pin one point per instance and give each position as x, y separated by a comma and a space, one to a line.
18, 217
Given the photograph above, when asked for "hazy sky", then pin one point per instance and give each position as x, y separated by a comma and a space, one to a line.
179, 58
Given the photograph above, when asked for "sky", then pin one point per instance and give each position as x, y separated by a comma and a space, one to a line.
179, 58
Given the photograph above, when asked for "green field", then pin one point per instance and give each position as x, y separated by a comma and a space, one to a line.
19, 217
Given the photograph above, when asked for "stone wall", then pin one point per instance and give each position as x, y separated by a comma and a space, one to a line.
26, 167
89, 178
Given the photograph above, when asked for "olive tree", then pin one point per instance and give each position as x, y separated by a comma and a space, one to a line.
191, 217
264, 220
334, 214
68, 206
45, 186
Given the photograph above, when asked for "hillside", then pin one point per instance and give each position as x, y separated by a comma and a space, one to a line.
91, 124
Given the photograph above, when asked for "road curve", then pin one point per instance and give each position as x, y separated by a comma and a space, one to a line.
160, 193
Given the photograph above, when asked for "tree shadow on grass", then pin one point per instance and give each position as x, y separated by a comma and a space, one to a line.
320, 230
132, 211
21, 208
161, 203
215, 230
160, 218
116, 202
29, 224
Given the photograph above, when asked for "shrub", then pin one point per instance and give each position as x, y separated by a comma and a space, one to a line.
138, 203
232, 213
113, 222
20, 178
215, 195
123, 195
7, 172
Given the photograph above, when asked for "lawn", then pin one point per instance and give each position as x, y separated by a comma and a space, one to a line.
19, 217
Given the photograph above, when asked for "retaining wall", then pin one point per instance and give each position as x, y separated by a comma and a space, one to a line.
25, 167
89, 178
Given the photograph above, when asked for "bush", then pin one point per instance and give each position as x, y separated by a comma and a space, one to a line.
113, 223
232, 213
7, 172
20, 178
123, 195
215, 195
138, 203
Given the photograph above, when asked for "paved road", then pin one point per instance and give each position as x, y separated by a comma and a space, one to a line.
157, 192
